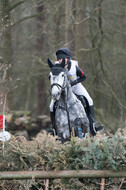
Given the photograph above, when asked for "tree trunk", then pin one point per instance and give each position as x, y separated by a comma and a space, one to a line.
40, 54
70, 27
80, 40
6, 51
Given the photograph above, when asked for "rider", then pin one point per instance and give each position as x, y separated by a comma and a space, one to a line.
76, 76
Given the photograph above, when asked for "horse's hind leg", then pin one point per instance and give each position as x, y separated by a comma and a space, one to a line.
78, 129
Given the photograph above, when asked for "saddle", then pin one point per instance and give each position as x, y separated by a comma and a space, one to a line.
83, 100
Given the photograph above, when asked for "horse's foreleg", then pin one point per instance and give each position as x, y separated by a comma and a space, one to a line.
61, 138
78, 129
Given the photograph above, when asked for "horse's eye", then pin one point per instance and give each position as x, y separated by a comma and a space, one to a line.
49, 77
62, 75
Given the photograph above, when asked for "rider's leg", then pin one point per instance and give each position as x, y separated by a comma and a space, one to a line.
93, 124
83, 101
80, 90
52, 116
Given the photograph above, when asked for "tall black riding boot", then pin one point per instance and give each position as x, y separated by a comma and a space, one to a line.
52, 117
94, 126
83, 101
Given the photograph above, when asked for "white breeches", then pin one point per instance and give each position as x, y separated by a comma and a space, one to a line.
79, 90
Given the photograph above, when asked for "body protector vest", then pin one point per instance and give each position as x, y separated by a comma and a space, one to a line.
72, 71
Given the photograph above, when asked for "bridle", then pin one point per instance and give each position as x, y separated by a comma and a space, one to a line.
59, 86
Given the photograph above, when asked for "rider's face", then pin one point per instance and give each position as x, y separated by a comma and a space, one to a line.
60, 60
66, 61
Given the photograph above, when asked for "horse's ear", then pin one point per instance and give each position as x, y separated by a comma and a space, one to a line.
63, 63
50, 63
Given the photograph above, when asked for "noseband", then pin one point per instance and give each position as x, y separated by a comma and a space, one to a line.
58, 85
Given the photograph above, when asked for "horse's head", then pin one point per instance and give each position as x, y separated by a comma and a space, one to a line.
57, 79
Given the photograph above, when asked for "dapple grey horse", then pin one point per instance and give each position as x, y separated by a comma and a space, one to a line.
69, 112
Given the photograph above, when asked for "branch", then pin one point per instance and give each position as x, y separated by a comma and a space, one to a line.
35, 15
15, 5
114, 95
87, 50
124, 33
117, 14
25, 18
89, 17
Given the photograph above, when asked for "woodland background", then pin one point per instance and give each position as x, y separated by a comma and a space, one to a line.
94, 30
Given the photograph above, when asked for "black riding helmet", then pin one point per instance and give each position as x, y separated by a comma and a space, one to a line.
63, 53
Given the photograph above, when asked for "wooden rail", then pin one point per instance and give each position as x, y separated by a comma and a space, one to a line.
7, 175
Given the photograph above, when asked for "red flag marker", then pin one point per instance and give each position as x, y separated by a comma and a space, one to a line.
2, 122
4, 135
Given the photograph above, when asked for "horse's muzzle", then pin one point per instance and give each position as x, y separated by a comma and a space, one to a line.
55, 92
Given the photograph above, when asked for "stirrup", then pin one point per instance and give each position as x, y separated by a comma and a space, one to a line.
52, 132
98, 127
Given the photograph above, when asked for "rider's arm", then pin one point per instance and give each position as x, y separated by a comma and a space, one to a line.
80, 73
81, 76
